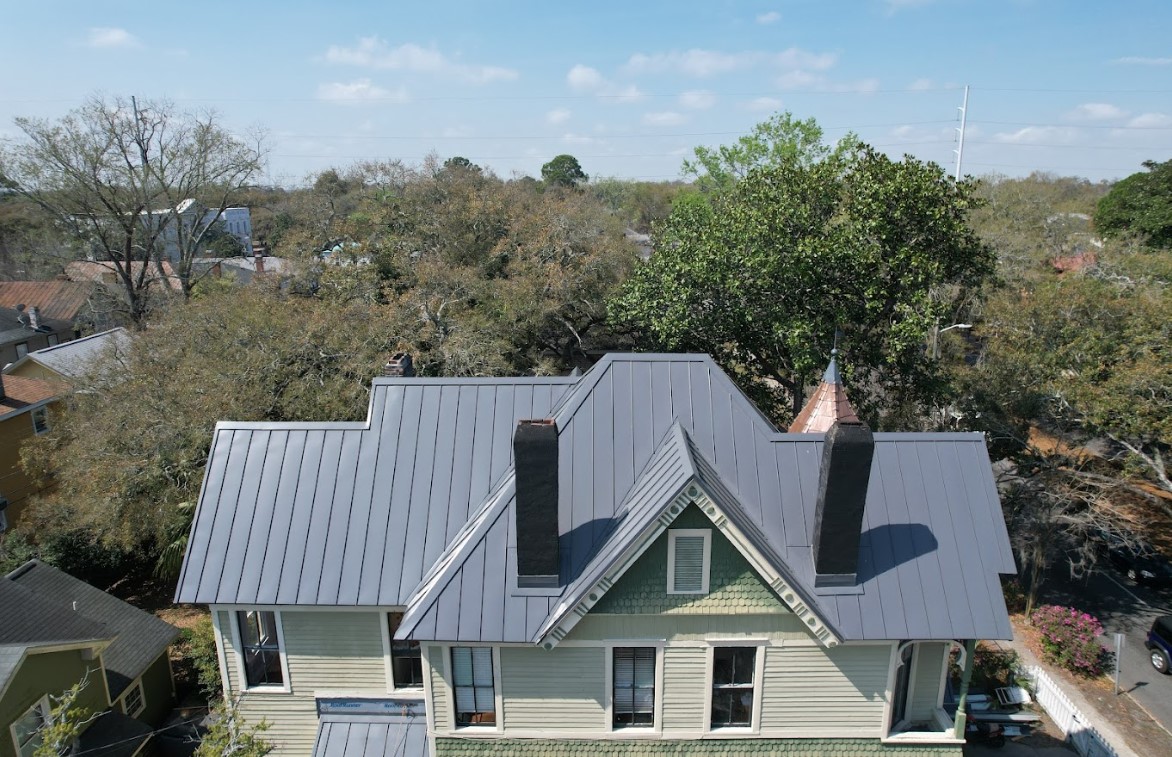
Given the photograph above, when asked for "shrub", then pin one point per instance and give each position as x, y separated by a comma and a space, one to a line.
996, 667
1015, 598
199, 650
1069, 639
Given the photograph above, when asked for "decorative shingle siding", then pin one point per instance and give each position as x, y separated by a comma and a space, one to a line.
825, 689
684, 669
687, 627
445, 747
563, 688
734, 587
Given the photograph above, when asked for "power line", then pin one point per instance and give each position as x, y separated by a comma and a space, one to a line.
1077, 126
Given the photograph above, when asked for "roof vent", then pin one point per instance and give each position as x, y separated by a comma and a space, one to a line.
535, 461
842, 495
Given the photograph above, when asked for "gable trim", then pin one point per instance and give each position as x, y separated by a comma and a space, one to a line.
695, 493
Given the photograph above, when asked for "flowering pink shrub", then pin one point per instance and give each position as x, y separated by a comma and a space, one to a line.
1069, 639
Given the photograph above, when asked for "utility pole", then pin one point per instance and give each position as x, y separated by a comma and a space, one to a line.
964, 112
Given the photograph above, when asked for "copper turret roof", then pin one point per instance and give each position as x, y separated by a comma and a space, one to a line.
826, 405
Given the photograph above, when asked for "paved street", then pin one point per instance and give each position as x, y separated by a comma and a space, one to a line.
1128, 609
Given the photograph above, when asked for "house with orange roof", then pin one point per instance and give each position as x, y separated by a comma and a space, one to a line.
24, 414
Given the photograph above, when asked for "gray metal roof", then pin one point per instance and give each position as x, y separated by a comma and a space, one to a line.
73, 359
384, 495
140, 636
371, 736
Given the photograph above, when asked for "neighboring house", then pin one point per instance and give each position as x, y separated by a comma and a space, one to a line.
633, 561
25, 329
107, 272
56, 631
242, 269
25, 412
59, 300
72, 362
195, 217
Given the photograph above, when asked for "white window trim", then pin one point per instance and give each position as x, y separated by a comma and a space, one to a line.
238, 647
385, 620
656, 727
758, 676
450, 684
141, 698
672, 535
43, 703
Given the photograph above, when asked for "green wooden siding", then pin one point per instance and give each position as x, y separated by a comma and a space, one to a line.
684, 670
478, 747
157, 690
688, 627
840, 689
439, 689
925, 682
563, 688
734, 587
49, 673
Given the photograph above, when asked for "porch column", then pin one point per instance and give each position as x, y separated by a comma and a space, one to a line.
970, 648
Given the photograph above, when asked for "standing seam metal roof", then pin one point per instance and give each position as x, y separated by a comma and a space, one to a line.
407, 497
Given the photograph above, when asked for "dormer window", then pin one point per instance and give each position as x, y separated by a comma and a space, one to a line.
688, 553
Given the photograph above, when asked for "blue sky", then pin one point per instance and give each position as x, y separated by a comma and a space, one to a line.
1067, 86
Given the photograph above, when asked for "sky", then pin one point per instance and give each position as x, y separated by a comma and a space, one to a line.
1069, 87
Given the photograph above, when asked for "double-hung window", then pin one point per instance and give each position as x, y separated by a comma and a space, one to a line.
472, 680
633, 701
26, 732
40, 420
733, 671
133, 702
406, 659
260, 646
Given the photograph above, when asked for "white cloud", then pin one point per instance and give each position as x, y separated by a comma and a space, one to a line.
1032, 135
697, 99
108, 38
1151, 121
557, 116
578, 139
1096, 112
764, 103
772, 17
921, 85
372, 52
705, 63
1135, 60
359, 91
585, 78
800, 79
664, 118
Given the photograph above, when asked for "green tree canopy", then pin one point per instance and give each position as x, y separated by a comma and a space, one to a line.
563, 171
1140, 204
763, 277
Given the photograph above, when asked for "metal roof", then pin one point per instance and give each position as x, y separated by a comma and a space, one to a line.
391, 505
73, 359
372, 736
140, 636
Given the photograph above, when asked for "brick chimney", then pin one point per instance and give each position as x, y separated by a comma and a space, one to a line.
34, 317
842, 494
258, 262
399, 365
535, 461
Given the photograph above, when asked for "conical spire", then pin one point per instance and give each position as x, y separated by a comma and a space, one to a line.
827, 405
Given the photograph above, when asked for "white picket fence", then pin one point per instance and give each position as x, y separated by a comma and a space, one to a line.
1074, 725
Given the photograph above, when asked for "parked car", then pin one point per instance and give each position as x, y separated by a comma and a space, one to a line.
1138, 560
1159, 643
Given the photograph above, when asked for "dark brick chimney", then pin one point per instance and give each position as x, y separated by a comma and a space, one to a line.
842, 494
399, 365
258, 263
535, 460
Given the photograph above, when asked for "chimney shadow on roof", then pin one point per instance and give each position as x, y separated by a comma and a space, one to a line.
578, 545
886, 547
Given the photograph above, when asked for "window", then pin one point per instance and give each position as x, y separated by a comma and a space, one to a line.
406, 660
634, 687
687, 560
132, 701
261, 648
473, 681
40, 418
733, 670
53, 340
21, 349
26, 732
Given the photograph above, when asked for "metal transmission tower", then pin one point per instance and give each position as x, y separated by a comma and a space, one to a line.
964, 112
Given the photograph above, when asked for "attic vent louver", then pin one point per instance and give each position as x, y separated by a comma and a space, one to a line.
842, 494
535, 460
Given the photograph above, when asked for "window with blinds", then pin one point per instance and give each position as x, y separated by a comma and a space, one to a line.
687, 561
473, 684
633, 702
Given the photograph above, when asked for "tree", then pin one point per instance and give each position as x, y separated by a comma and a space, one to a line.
64, 722
763, 276
230, 736
1141, 204
782, 139
138, 185
563, 171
